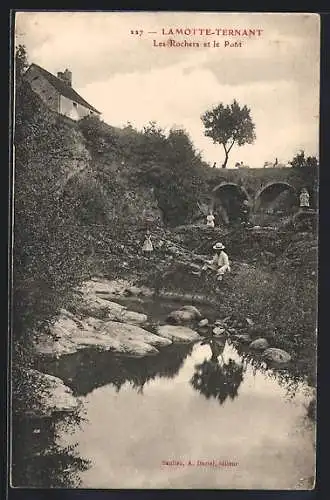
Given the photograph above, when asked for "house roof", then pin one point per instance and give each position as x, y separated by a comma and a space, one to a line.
64, 89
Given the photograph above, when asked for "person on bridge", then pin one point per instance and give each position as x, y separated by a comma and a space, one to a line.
220, 261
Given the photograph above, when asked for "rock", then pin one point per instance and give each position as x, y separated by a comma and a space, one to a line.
203, 322
179, 317
100, 308
178, 333
99, 334
276, 355
49, 395
184, 315
132, 318
249, 321
259, 344
218, 331
244, 338
133, 291
193, 310
133, 339
104, 287
92, 305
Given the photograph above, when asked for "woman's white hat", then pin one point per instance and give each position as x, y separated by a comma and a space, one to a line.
218, 246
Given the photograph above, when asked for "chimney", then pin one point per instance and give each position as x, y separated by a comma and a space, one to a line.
66, 77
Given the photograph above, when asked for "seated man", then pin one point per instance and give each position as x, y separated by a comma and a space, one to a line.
219, 262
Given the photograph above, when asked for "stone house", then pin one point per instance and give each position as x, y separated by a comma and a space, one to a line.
57, 92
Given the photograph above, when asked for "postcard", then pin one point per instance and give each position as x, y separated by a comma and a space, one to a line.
165, 250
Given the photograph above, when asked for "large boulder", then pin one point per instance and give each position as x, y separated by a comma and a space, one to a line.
69, 336
275, 355
178, 333
92, 305
193, 310
49, 395
97, 307
132, 317
259, 344
184, 315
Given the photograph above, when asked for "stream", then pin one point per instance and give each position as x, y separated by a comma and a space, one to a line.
193, 416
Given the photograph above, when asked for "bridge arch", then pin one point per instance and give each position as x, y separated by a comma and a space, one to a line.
227, 199
269, 193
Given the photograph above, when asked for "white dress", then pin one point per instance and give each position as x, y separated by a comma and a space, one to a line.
210, 220
147, 245
304, 199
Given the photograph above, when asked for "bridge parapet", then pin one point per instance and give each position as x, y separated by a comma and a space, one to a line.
261, 187
254, 179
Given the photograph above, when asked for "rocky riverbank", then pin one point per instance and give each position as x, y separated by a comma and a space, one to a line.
249, 310
97, 321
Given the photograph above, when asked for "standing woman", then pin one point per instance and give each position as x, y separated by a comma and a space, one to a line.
304, 198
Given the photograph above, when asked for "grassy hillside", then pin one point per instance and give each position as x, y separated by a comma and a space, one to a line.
76, 183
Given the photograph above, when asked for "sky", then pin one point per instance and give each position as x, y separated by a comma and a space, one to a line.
129, 79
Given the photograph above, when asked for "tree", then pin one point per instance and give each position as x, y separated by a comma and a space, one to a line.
307, 169
229, 125
300, 160
21, 62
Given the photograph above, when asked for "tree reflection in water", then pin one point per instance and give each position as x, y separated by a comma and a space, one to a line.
38, 458
85, 371
289, 377
217, 378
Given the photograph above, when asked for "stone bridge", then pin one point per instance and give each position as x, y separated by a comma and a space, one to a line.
267, 192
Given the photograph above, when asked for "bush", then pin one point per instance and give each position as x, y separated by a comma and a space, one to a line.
49, 244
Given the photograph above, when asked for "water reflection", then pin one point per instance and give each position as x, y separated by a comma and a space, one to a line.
127, 436
288, 377
87, 370
215, 377
39, 460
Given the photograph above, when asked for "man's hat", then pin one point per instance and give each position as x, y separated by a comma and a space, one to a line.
218, 246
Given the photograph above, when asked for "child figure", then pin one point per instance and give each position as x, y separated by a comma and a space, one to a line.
210, 219
147, 245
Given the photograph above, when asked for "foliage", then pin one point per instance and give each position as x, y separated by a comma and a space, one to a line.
229, 125
308, 168
50, 247
301, 161
167, 165
21, 62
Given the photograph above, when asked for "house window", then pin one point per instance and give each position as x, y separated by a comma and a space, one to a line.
35, 78
75, 104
